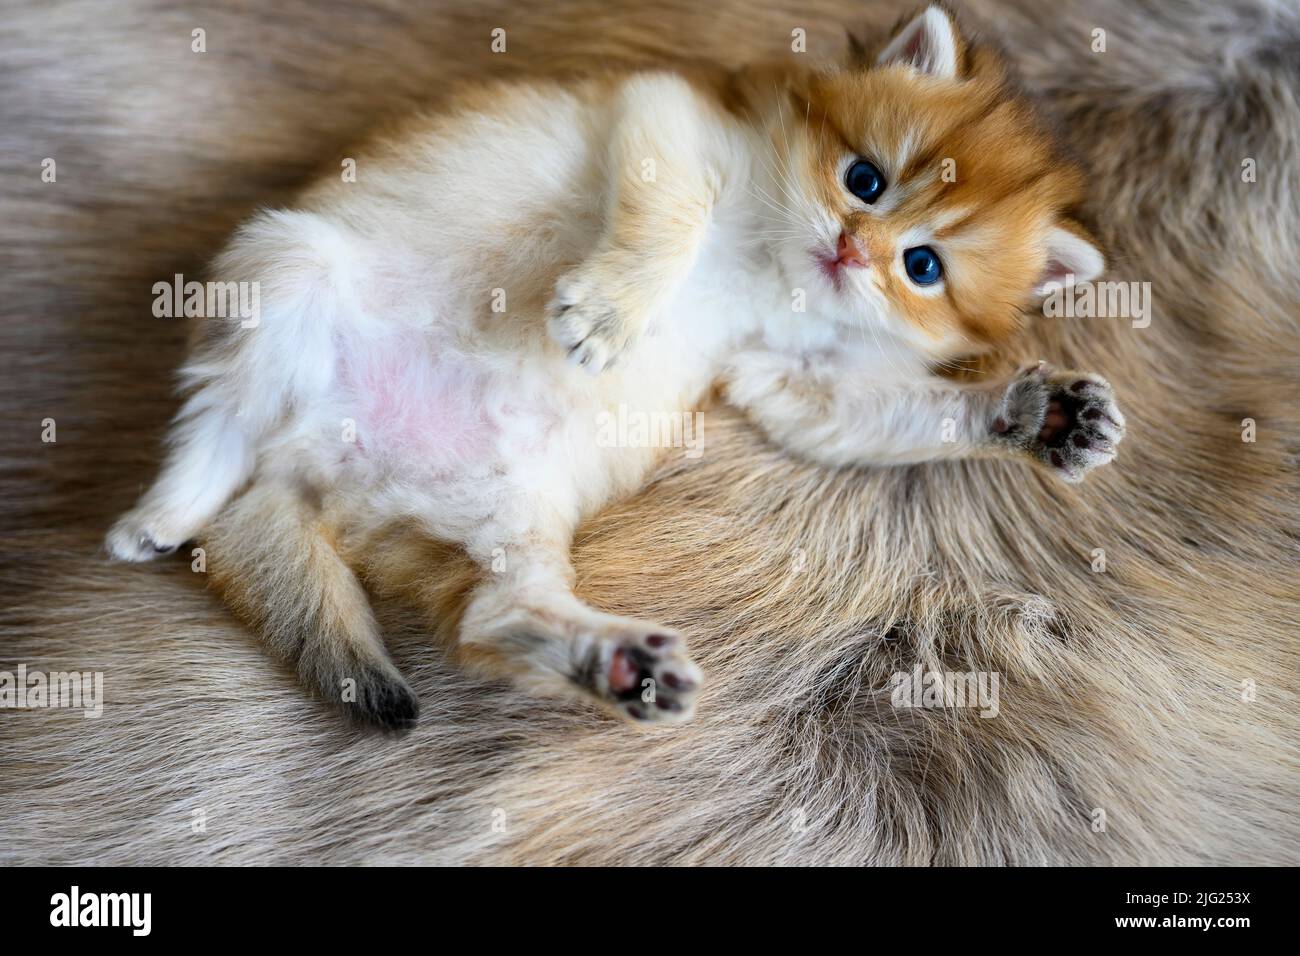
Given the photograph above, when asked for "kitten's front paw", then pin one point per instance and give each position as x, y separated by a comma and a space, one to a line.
646, 677
1067, 420
588, 323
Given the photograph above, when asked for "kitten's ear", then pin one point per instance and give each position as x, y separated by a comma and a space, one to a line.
1072, 256
929, 44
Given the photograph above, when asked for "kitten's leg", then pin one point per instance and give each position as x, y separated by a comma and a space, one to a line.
1066, 421
272, 562
663, 158
523, 622
211, 455
243, 375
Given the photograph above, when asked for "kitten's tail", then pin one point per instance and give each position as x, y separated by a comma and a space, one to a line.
275, 565
289, 274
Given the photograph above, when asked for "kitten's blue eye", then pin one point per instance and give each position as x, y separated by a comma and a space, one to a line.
922, 265
865, 181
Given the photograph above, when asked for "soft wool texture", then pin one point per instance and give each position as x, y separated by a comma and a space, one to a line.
802, 589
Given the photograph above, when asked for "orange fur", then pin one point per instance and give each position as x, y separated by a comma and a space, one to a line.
1010, 178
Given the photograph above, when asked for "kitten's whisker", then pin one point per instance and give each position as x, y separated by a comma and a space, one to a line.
792, 217
799, 219
785, 141
776, 177
779, 176
767, 199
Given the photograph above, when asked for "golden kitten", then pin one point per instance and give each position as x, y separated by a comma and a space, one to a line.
441, 341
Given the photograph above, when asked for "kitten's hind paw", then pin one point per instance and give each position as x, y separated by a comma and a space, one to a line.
635, 669
1068, 421
588, 322
645, 677
133, 538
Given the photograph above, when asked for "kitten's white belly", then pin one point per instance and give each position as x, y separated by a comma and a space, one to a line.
417, 418
445, 399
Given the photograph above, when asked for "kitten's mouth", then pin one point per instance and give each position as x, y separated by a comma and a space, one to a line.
831, 268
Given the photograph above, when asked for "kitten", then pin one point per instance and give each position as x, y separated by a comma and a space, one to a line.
439, 338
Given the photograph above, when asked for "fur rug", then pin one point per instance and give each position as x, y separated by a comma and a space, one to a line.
1148, 712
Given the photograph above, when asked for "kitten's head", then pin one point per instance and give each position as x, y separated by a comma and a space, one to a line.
922, 193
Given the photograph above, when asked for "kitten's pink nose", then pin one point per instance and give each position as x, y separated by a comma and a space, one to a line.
848, 252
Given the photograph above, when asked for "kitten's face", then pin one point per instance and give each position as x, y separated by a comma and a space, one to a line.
921, 198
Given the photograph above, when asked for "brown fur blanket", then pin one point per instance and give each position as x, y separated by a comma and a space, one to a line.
1148, 711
